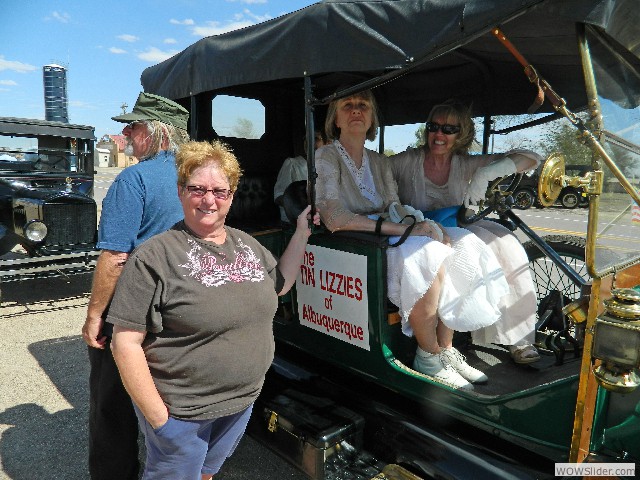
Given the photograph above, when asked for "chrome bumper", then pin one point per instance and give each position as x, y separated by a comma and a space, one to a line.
48, 266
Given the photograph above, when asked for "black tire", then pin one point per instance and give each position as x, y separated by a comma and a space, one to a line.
584, 201
570, 198
547, 277
523, 199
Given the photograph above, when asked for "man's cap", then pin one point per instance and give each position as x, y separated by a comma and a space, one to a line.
154, 107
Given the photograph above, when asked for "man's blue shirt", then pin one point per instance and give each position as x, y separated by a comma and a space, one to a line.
141, 202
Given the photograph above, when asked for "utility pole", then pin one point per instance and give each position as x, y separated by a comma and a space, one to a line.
124, 107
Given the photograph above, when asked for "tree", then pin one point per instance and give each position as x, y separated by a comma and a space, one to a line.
626, 160
419, 133
244, 128
508, 141
563, 137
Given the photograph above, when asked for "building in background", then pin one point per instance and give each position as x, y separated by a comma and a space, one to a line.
119, 140
55, 93
103, 156
114, 145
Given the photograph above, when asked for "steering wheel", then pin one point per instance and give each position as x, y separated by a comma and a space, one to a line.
497, 199
56, 162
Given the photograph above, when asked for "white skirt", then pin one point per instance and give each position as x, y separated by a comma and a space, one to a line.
473, 282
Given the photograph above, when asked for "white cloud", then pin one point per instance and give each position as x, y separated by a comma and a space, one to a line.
169, 40
186, 21
249, 2
117, 51
155, 55
81, 104
215, 28
8, 82
128, 38
62, 17
240, 20
257, 18
15, 66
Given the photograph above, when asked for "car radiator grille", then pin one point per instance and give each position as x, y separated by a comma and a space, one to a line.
70, 224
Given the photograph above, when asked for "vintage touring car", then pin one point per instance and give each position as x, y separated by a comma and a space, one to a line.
575, 61
48, 217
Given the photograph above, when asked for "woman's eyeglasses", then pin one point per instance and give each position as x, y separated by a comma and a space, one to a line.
447, 129
198, 191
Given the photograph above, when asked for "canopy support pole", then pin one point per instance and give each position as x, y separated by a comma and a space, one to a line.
309, 102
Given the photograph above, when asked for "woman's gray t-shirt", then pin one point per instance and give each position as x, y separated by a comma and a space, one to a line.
208, 311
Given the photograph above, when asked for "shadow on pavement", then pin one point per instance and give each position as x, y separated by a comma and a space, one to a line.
39, 444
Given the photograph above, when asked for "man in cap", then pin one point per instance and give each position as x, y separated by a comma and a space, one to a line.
141, 202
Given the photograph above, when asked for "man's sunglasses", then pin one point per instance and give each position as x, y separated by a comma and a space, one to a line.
198, 191
447, 129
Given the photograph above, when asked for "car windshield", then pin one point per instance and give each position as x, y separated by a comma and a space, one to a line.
619, 216
25, 155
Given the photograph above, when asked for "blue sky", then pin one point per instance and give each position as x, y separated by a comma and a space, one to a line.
105, 46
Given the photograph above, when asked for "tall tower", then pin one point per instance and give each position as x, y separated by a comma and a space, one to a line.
55, 93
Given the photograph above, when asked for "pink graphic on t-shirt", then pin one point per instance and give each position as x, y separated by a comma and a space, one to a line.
215, 270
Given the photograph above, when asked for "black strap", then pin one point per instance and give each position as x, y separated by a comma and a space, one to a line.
378, 225
404, 236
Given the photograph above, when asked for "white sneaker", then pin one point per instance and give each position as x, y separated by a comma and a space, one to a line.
451, 356
434, 367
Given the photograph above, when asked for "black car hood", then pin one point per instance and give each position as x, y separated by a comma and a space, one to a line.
45, 189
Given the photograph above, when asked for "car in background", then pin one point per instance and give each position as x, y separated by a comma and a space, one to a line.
525, 194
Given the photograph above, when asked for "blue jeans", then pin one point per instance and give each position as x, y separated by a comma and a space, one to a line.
185, 449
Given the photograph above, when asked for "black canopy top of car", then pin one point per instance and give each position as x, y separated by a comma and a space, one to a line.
446, 45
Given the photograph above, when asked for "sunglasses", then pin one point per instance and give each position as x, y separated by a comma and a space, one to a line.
447, 129
198, 191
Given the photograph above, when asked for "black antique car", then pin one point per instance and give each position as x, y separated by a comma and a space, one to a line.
581, 402
48, 218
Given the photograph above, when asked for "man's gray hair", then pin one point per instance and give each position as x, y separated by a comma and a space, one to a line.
163, 134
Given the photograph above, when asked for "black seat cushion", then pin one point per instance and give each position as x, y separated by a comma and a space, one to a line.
253, 207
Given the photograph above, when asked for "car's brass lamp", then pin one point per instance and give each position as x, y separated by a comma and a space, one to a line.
617, 342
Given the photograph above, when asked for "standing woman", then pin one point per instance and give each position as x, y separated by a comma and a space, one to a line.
193, 312
443, 174
440, 279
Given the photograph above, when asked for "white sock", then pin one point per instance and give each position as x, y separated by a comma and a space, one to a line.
423, 353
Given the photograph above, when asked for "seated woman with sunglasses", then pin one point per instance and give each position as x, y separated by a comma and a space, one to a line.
440, 278
193, 312
442, 174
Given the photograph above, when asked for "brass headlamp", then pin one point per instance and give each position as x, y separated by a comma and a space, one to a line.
617, 342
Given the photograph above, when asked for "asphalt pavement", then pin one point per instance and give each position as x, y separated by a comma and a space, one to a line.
44, 395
